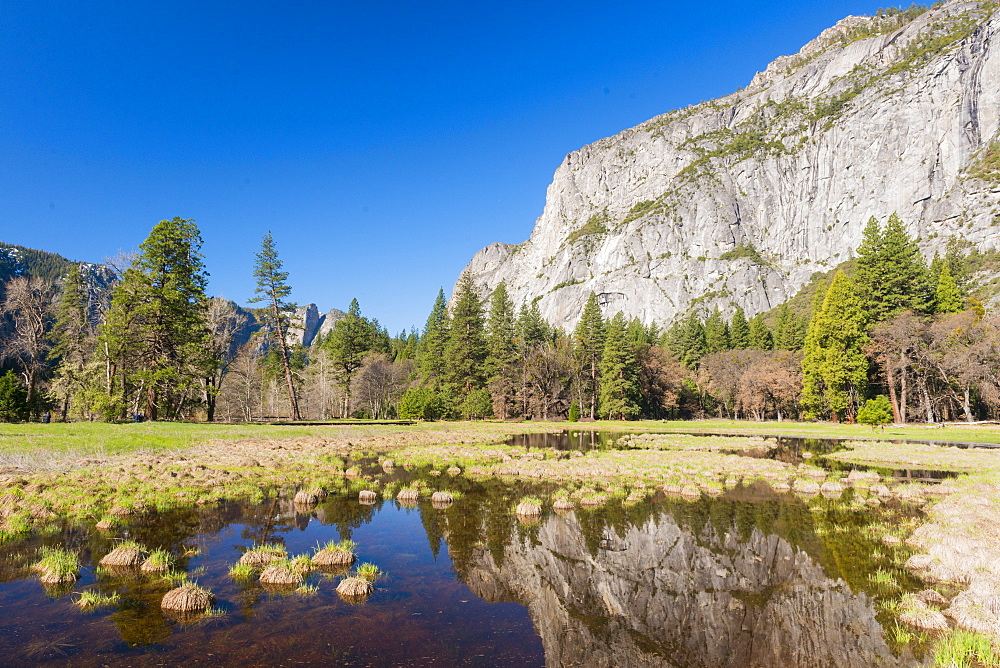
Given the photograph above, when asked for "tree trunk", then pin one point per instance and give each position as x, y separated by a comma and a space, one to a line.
890, 381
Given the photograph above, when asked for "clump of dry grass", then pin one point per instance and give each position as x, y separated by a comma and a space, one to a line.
188, 597
408, 495
367, 496
260, 556
529, 507
355, 590
442, 499
158, 561
281, 575
305, 498
916, 613
128, 554
335, 555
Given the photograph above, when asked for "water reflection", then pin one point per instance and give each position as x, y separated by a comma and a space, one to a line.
747, 579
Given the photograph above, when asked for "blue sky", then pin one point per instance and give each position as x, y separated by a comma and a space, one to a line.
383, 143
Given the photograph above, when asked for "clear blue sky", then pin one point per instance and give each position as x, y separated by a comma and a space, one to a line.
383, 143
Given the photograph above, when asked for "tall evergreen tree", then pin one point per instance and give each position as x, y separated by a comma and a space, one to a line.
501, 359
947, 297
466, 350
273, 290
433, 340
588, 349
716, 333
787, 333
619, 399
157, 324
835, 369
688, 341
759, 334
739, 330
891, 274
74, 338
351, 338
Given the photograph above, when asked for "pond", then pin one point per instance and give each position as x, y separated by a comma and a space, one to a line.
750, 577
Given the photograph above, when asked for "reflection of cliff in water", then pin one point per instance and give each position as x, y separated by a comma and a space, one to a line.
660, 593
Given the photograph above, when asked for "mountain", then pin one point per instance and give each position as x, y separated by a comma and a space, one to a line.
740, 200
22, 261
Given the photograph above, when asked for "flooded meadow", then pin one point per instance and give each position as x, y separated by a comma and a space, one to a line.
553, 549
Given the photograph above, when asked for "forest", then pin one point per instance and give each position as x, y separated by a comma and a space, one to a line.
891, 337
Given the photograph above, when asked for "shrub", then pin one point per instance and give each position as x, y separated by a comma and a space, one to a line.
876, 412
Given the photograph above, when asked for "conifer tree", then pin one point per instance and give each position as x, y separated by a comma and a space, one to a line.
739, 330
156, 325
716, 334
947, 297
465, 353
835, 369
588, 349
433, 340
351, 338
688, 341
73, 335
501, 359
532, 328
787, 333
891, 274
273, 290
619, 397
759, 334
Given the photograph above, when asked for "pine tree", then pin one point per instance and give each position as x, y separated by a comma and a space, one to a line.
155, 335
739, 330
619, 396
759, 334
891, 274
787, 333
835, 369
351, 338
947, 297
588, 349
465, 353
716, 334
688, 342
501, 359
74, 338
273, 290
430, 353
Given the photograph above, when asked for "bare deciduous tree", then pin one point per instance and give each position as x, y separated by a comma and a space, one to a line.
28, 306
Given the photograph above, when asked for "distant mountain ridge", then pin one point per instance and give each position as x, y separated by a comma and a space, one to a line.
740, 200
18, 260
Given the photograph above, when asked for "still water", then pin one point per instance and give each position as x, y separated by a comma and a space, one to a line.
750, 578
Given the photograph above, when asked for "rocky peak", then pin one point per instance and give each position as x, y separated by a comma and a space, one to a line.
738, 201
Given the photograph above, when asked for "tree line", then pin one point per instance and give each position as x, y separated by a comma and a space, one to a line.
897, 334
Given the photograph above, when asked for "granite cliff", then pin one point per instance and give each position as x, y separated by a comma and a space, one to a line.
739, 200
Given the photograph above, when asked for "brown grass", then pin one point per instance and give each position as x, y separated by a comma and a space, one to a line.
355, 590
280, 575
124, 556
187, 598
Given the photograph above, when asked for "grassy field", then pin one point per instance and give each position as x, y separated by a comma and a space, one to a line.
98, 438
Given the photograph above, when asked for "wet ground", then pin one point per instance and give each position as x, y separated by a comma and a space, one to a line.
750, 577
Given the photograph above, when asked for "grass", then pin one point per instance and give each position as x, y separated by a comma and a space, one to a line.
345, 545
160, 559
91, 599
57, 562
965, 649
369, 571
242, 572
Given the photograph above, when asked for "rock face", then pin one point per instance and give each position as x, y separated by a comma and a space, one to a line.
308, 324
738, 201
660, 595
